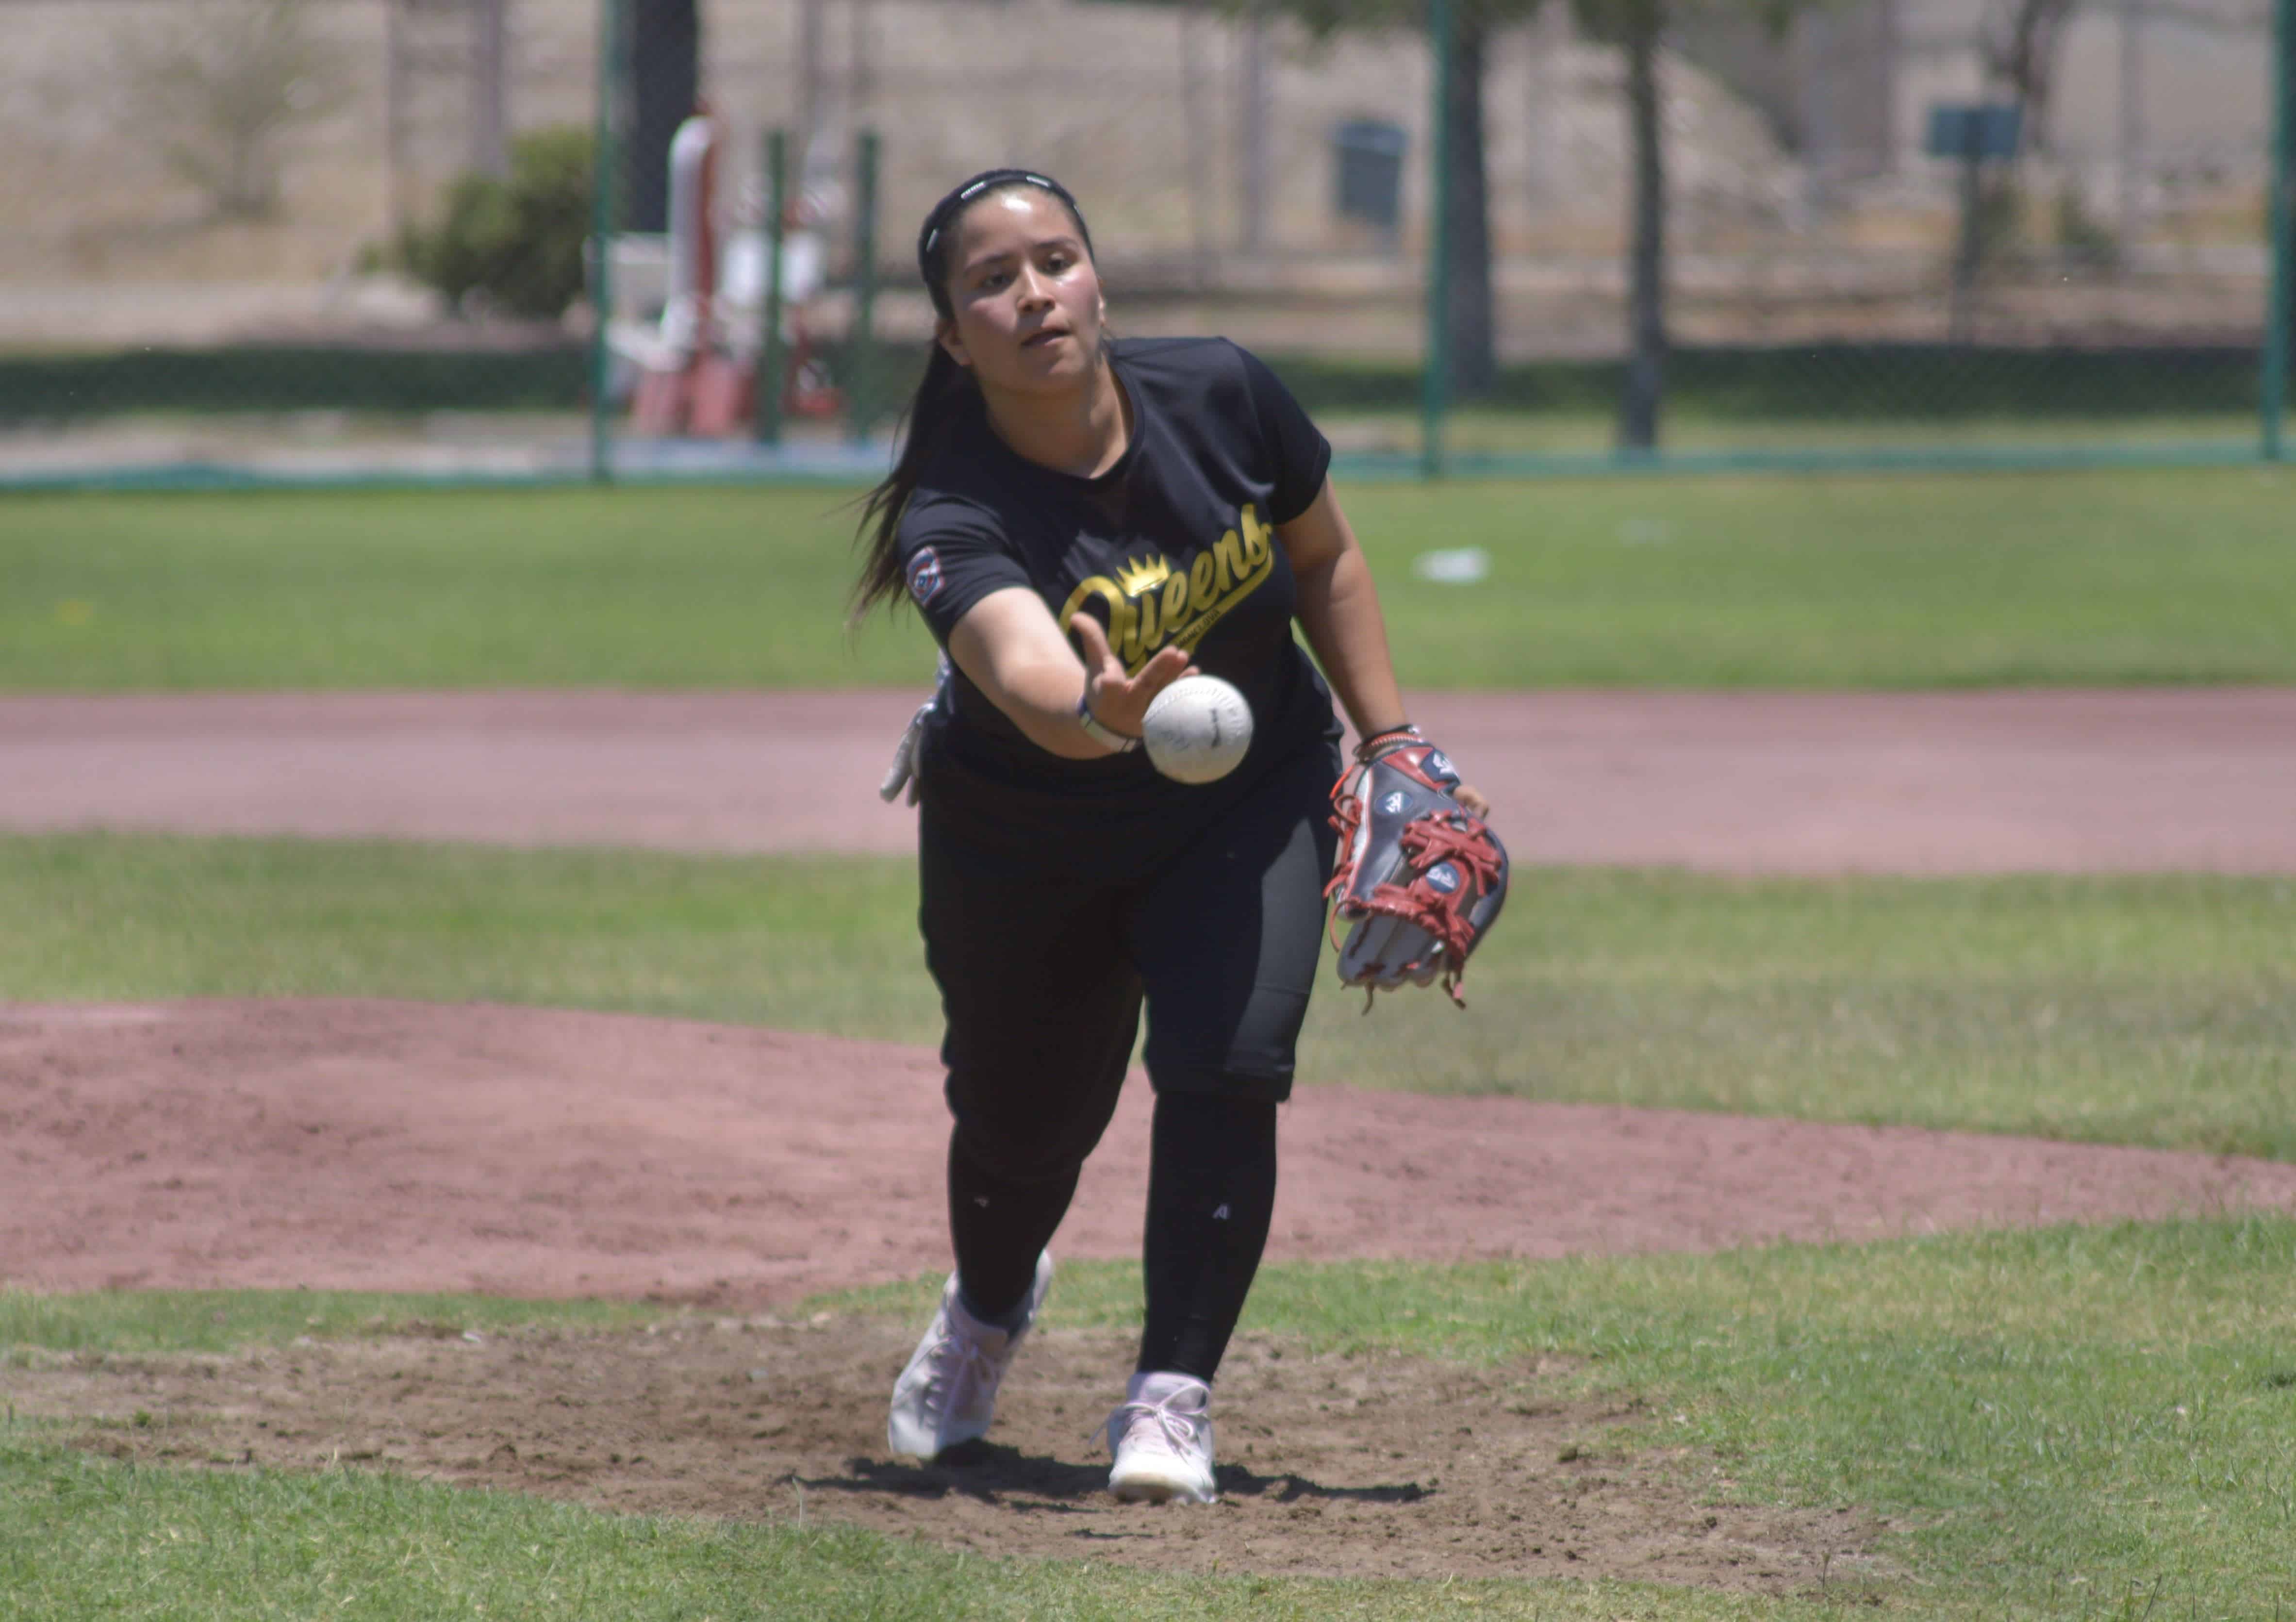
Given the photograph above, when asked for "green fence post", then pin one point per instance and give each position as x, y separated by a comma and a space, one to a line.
608, 156
2281, 313
1435, 384
771, 362
1962, 323
861, 340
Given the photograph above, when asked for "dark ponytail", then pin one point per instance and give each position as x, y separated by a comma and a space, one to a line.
931, 413
947, 390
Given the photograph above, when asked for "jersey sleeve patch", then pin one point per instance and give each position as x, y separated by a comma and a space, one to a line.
925, 576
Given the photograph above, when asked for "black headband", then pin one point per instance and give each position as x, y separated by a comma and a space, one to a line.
949, 206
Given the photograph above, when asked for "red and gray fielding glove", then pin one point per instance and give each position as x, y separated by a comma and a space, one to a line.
1420, 877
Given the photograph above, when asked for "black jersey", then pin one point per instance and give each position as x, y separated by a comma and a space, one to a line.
1173, 545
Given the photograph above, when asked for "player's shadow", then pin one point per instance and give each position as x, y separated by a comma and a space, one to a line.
994, 1473
1238, 1482
986, 1470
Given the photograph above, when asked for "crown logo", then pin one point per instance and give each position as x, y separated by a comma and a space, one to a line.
1140, 576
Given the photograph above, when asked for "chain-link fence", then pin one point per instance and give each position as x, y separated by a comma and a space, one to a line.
351, 238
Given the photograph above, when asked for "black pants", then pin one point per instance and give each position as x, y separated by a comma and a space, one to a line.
1042, 979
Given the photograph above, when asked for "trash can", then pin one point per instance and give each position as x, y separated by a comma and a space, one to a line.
1368, 163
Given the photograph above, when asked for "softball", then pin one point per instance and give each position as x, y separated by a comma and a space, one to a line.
1197, 729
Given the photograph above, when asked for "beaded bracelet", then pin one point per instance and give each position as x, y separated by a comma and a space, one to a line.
1369, 749
1098, 732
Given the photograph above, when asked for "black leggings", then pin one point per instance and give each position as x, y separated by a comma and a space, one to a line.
1042, 982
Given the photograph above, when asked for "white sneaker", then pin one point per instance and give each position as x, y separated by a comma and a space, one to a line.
948, 1394
1161, 1435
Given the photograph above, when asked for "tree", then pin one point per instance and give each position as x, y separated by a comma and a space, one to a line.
1634, 26
1637, 26
2021, 42
1468, 315
515, 242
220, 82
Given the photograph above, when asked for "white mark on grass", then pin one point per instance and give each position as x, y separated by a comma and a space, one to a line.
1457, 566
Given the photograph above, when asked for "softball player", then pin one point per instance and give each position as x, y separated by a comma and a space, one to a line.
1081, 519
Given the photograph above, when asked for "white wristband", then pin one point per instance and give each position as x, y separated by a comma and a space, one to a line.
1096, 731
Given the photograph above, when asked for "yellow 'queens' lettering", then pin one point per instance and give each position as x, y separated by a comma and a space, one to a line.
1150, 603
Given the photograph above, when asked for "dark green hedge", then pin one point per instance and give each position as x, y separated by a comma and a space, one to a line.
282, 377
1807, 382
1831, 381
1876, 382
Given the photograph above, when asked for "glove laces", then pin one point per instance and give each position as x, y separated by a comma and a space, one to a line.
1429, 841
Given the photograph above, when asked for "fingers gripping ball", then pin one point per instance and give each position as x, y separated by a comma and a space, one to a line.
1197, 730
1421, 878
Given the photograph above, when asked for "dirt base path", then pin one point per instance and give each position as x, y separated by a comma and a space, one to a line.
2060, 780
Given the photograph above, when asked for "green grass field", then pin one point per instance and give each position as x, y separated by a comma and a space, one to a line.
2069, 1423
1772, 582
2156, 1011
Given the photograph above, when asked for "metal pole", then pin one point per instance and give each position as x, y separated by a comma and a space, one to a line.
612, 67
809, 46
1964, 318
1252, 119
394, 119
1199, 144
2130, 135
489, 88
2282, 316
1815, 49
1891, 47
1435, 381
861, 47
861, 340
771, 362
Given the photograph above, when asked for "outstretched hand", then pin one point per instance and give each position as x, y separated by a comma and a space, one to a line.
1120, 702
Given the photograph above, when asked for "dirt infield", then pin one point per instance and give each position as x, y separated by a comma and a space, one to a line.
1367, 1466
536, 1152
2062, 781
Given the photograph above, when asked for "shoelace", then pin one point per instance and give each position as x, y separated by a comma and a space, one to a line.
1180, 1428
954, 1356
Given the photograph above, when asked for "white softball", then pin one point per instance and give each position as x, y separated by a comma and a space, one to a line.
1197, 729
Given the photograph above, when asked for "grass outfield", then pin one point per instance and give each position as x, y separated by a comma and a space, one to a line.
2151, 1011
2056, 1423
1912, 581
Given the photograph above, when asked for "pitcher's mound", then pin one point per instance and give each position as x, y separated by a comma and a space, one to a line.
527, 1152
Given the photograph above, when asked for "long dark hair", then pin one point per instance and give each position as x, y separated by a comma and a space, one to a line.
946, 386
